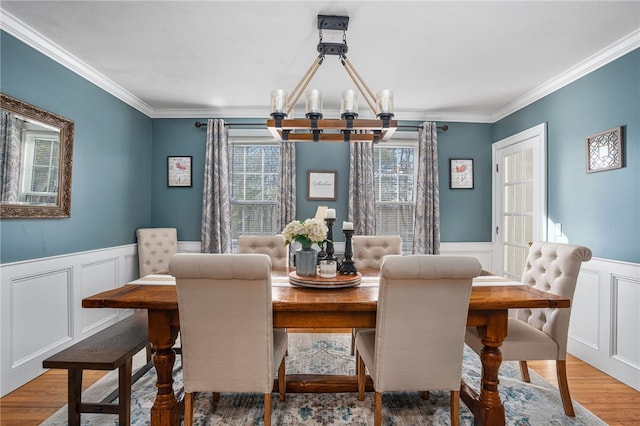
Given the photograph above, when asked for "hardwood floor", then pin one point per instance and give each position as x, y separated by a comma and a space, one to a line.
615, 403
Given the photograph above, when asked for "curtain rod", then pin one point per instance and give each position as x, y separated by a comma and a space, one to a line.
199, 124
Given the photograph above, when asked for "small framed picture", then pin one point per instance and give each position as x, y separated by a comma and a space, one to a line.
461, 173
179, 171
321, 185
604, 150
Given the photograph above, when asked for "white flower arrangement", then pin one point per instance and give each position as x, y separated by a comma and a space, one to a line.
305, 232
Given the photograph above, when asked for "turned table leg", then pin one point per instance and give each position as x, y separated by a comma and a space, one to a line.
162, 335
487, 407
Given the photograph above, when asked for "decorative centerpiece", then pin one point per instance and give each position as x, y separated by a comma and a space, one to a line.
306, 232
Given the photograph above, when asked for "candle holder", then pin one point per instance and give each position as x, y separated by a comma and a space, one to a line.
330, 249
347, 267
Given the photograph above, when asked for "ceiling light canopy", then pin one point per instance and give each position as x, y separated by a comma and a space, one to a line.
347, 128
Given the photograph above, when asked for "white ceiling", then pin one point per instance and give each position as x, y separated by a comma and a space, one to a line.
446, 60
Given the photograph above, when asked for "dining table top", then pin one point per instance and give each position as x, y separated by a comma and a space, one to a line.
158, 292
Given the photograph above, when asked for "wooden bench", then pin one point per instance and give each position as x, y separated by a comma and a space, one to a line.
111, 348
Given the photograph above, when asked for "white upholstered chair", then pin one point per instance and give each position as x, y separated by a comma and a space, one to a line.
541, 334
271, 245
368, 251
418, 341
226, 324
155, 248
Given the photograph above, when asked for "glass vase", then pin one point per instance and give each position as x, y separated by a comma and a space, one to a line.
306, 261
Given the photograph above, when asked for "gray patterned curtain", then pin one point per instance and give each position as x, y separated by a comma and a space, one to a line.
215, 233
287, 183
426, 234
10, 153
362, 188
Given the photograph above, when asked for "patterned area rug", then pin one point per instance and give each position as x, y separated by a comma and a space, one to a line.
535, 403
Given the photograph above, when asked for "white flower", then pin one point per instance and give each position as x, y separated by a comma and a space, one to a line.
307, 232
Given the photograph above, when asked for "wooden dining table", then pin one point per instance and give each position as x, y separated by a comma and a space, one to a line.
329, 308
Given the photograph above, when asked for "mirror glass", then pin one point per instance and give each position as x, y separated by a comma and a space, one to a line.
35, 161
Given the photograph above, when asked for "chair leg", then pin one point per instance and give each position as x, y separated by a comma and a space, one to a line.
267, 409
455, 408
524, 372
377, 414
361, 377
215, 397
188, 409
425, 395
282, 380
563, 385
353, 341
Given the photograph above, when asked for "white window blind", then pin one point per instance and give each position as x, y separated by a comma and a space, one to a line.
253, 171
40, 168
394, 175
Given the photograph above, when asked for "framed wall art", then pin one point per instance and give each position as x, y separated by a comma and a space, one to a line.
321, 185
179, 171
604, 150
461, 173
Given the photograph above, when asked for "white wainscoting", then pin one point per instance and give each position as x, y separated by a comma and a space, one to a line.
41, 308
605, 320
41, 305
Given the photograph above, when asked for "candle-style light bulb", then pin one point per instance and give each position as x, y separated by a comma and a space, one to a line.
278, 101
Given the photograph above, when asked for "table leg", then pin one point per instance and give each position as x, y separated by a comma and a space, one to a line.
487, 407
163, 331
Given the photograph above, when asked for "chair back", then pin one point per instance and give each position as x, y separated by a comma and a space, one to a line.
553, 268
226, 321
271, 245
155, 248
368, 250
423, 303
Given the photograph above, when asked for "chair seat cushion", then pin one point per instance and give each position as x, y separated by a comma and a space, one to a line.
280, 343
365, 344
524, 342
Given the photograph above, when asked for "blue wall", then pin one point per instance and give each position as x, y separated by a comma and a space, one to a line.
180, 207
120, 156
110, 194
599, 210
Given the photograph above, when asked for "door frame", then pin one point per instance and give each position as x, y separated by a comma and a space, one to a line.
538, 132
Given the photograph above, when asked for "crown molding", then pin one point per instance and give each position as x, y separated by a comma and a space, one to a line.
37, 41
598, 60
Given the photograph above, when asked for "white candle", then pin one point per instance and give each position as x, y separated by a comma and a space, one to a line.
328, 269
331, 214
347, 226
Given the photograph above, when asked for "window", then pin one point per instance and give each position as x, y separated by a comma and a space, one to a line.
254, 173
39, 180
394, 174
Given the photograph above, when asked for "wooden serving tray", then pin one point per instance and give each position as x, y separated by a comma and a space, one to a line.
339, 281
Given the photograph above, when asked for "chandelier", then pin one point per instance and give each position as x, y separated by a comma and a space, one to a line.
314, 127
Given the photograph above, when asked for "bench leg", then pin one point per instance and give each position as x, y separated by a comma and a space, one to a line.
74, 395
124, 392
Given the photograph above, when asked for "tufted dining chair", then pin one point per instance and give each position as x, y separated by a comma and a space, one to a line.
541, 334
271, 245
418, 342
368, 251
155, 248
226, 320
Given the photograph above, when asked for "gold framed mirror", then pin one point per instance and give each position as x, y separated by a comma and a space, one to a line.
36, 151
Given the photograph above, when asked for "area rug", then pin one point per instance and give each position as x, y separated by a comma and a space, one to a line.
535, 403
